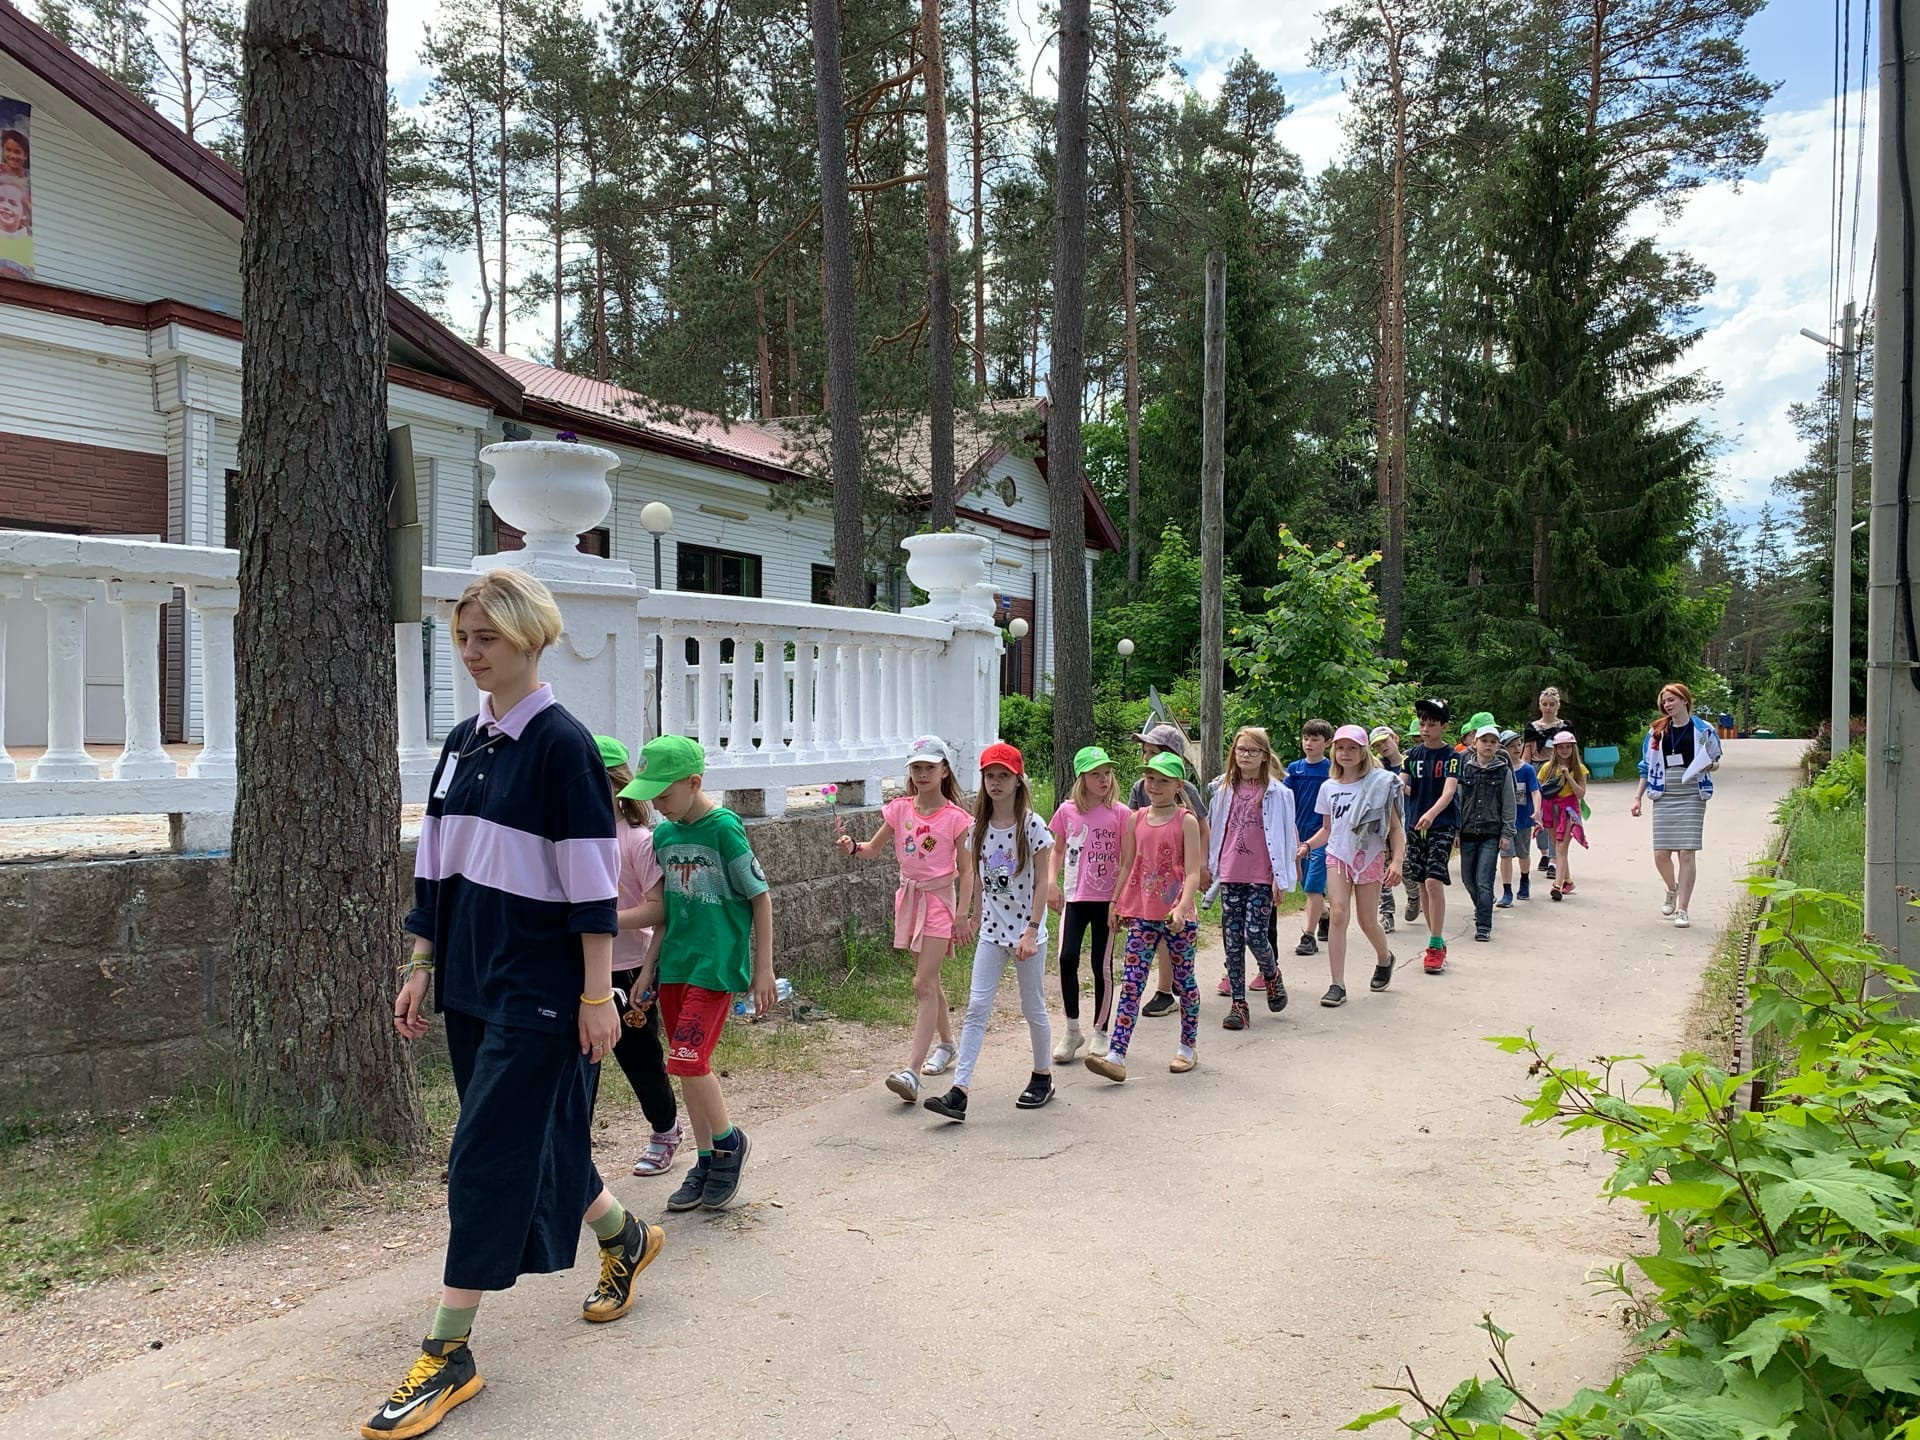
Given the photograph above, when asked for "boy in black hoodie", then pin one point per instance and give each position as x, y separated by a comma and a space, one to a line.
1486, 822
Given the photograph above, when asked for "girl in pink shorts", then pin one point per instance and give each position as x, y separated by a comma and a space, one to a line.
927, 829
1366, 840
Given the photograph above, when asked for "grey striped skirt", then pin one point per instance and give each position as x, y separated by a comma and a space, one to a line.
1679, 816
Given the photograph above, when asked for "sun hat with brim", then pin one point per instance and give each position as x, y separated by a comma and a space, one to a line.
1167, 737
1168, 764
1353, 733
1004, 755
1089, 757
612, 752
1486, 730
1565, 737
930, 748
663, 760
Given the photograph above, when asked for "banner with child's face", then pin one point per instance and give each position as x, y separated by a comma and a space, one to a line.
16, 189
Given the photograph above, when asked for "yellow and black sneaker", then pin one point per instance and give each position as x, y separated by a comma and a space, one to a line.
621, 1261
440, 1379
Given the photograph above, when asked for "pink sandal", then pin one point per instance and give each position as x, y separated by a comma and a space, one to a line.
657, 1158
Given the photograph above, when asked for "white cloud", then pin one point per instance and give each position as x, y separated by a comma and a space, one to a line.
1766, 243
1314, 130
1279, 35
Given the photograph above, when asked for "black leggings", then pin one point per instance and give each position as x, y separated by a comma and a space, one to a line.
1081, 916
645, 1064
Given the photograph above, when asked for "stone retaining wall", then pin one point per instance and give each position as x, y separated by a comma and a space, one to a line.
112, 972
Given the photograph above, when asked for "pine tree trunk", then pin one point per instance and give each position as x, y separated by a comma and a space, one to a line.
1066, 384
188, 103
1392, 461
979, 128
559, 250
1596, 51
941, 512
1130, 300
474, 195
500, 318
836, 266
763, 362
317, 893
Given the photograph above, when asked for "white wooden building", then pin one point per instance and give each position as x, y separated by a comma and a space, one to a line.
120, 409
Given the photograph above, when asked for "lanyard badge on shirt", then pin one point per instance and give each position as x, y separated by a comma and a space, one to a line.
453, 763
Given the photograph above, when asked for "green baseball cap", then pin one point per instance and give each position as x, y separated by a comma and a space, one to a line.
1169, 764
1477, 721
612, 752
1090, 757
663, 760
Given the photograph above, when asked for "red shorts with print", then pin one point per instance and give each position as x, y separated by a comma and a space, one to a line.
691, 1019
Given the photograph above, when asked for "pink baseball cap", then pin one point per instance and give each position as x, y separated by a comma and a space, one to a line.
1353, 733
1565, 737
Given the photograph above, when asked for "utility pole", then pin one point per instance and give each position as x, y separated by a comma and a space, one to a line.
1840, 724
1213, 473
1893, 682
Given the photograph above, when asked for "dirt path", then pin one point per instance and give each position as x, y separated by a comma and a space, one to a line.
1242, 1251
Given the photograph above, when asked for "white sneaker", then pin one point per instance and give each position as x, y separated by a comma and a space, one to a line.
1667, 906
1680, 920
906, 1085
1100, 1043
941, 1060
1071, 1044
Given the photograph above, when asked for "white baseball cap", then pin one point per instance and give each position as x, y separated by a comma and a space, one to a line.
930, 748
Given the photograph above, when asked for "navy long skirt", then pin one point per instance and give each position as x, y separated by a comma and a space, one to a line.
520, 1174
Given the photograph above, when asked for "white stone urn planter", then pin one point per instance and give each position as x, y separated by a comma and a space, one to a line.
552, 491
952, 568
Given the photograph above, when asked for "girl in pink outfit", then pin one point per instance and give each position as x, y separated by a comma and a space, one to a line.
927, 829
638, 1048
1161, 865
1086, 835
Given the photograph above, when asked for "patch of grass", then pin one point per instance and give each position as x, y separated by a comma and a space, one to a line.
876, 988
1827, 852
106, 1198
772, 1044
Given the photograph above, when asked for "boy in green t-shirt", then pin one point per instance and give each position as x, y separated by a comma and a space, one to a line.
718, 942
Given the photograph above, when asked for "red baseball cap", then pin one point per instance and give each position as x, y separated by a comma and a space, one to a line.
1001, 753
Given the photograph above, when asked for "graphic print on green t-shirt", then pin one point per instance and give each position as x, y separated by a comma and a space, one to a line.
712, 876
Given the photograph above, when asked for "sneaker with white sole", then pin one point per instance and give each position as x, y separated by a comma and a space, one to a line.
1672, 902
1070, 1046
941, 1060
1099, 1044
1680, 920
906, 1085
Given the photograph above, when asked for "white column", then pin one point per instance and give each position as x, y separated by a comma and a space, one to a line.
707, 721
921, 672
900, 677
803, 711
852, 686
140, 602
11, 588
417, 755
773, 700
740, 737
66, 602
872, 700
216, 608
828, 731
673, 682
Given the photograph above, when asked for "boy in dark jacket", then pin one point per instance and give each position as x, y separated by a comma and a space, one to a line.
1486, 822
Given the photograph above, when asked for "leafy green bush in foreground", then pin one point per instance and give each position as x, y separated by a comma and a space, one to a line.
1785, 1292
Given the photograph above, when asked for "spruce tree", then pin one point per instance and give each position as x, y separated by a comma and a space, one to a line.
1568, 480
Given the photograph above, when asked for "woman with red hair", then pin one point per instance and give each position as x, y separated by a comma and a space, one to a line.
1676, 769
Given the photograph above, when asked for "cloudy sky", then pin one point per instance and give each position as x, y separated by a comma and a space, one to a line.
1765, 240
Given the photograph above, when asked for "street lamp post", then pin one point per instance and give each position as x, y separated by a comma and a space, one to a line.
1017, 628
656, 518
1125, 647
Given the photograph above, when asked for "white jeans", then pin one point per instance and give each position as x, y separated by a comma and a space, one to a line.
990, 962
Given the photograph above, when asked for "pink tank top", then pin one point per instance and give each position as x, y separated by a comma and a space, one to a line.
1159, 868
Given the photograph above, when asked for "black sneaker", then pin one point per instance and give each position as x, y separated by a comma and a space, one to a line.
1236, 1016
1483, 935
1382, 974
621, 1261
1160, 1004
1323, 927
440, 1379
723, 1176
950, 1106
1387, 917
1276, 992
1306, 945
1038, 1092
694, 1188
1336, 995
1413, 909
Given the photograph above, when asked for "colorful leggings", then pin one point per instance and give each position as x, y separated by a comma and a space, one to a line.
1143, 937
1245, 911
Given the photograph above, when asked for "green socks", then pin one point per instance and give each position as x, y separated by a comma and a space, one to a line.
609, 1225
453, 1324
1439, 942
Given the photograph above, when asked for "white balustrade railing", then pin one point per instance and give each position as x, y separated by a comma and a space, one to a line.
780, 693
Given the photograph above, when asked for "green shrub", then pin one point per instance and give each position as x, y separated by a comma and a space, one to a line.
1784, 1293
1842, 783
1027, 725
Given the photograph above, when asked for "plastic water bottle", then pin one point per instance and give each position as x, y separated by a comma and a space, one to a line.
782, 992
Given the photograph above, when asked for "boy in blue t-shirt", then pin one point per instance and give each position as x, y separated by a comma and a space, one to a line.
1304, 778
1526, 789
1432, 778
